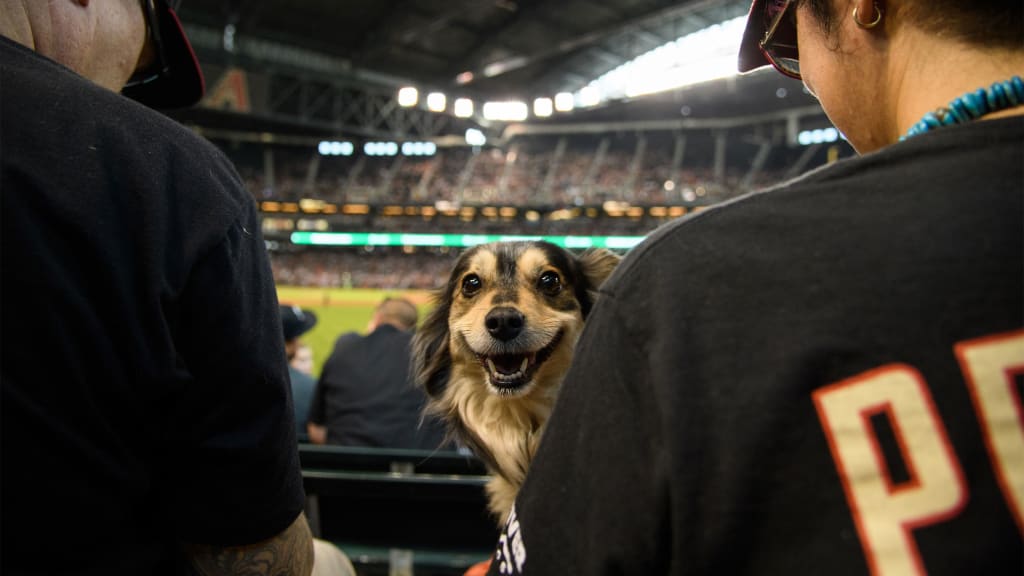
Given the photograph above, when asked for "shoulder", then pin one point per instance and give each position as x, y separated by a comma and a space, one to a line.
347, 340
76, 119
300, 379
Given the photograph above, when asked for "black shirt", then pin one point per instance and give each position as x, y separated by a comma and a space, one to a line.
365, 396
824, 378
145, 387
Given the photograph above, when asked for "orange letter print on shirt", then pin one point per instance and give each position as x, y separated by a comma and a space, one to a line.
886, 512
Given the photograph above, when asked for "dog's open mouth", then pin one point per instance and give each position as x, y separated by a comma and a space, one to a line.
510, 372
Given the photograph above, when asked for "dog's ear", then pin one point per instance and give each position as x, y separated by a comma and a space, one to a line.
431, 357
596, 265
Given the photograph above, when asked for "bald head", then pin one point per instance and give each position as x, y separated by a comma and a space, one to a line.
102, 40
397, 312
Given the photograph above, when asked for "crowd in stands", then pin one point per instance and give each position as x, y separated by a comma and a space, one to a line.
575, 173
381, 268
541, 173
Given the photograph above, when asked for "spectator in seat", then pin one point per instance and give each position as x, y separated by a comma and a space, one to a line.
303, 359
295, 322
364, 396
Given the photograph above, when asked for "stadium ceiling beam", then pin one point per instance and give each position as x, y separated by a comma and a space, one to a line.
609, 6
648, 36
251, 15
490, 37
208, 42
723, 123
613, 59
412, 33
314, 90
349, 110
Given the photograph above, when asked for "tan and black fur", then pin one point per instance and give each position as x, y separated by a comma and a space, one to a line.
493, 352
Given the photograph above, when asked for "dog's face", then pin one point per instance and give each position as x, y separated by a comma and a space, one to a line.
516, 314
509, 317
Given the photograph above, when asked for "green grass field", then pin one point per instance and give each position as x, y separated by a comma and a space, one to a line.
341, 310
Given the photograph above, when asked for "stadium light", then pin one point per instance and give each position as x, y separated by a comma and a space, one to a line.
463, 107
507, 111
542, 107
818, 136
436, 102
564, 102
380, 148
589, 96
408, 97
329, 148
419, 148
475, 137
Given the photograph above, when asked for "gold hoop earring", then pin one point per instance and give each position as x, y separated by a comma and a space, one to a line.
868, 25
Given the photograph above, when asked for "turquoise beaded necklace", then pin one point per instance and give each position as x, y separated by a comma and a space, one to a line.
971, 106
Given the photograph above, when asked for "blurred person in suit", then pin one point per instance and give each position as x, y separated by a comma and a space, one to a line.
364, 396
139, 438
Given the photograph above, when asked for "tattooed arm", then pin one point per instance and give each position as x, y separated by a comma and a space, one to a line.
290, 553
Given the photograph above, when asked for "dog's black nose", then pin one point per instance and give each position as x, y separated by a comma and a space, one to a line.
504, 323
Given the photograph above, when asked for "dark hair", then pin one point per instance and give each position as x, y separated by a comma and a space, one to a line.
990, 23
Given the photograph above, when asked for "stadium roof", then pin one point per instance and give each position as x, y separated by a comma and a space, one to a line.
512, 48
482, 49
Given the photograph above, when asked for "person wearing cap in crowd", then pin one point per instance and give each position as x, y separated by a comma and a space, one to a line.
295, 322
364, 396
153, 432
823, 377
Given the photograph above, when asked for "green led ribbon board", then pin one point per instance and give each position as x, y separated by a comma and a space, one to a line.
455, 240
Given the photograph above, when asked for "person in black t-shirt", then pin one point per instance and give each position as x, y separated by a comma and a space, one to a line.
824, 377
365, 397
153, 430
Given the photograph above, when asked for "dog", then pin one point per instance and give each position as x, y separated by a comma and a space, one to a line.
492, 353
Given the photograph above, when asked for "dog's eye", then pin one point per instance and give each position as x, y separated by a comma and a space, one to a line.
550, 283
471, 284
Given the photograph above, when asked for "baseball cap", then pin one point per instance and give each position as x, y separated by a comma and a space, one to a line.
176, 80
750, 55
295, 321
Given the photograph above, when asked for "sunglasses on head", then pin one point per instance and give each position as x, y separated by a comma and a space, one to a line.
779, 43
158, 67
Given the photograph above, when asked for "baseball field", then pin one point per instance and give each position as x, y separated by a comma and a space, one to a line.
341, 310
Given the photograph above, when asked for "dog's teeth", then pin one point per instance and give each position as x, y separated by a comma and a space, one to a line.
526, 364
490, 366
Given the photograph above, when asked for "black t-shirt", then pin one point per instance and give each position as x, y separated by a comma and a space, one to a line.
145, 387
365, 396
824, 378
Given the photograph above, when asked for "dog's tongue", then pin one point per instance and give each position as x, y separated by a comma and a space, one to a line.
508, 364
